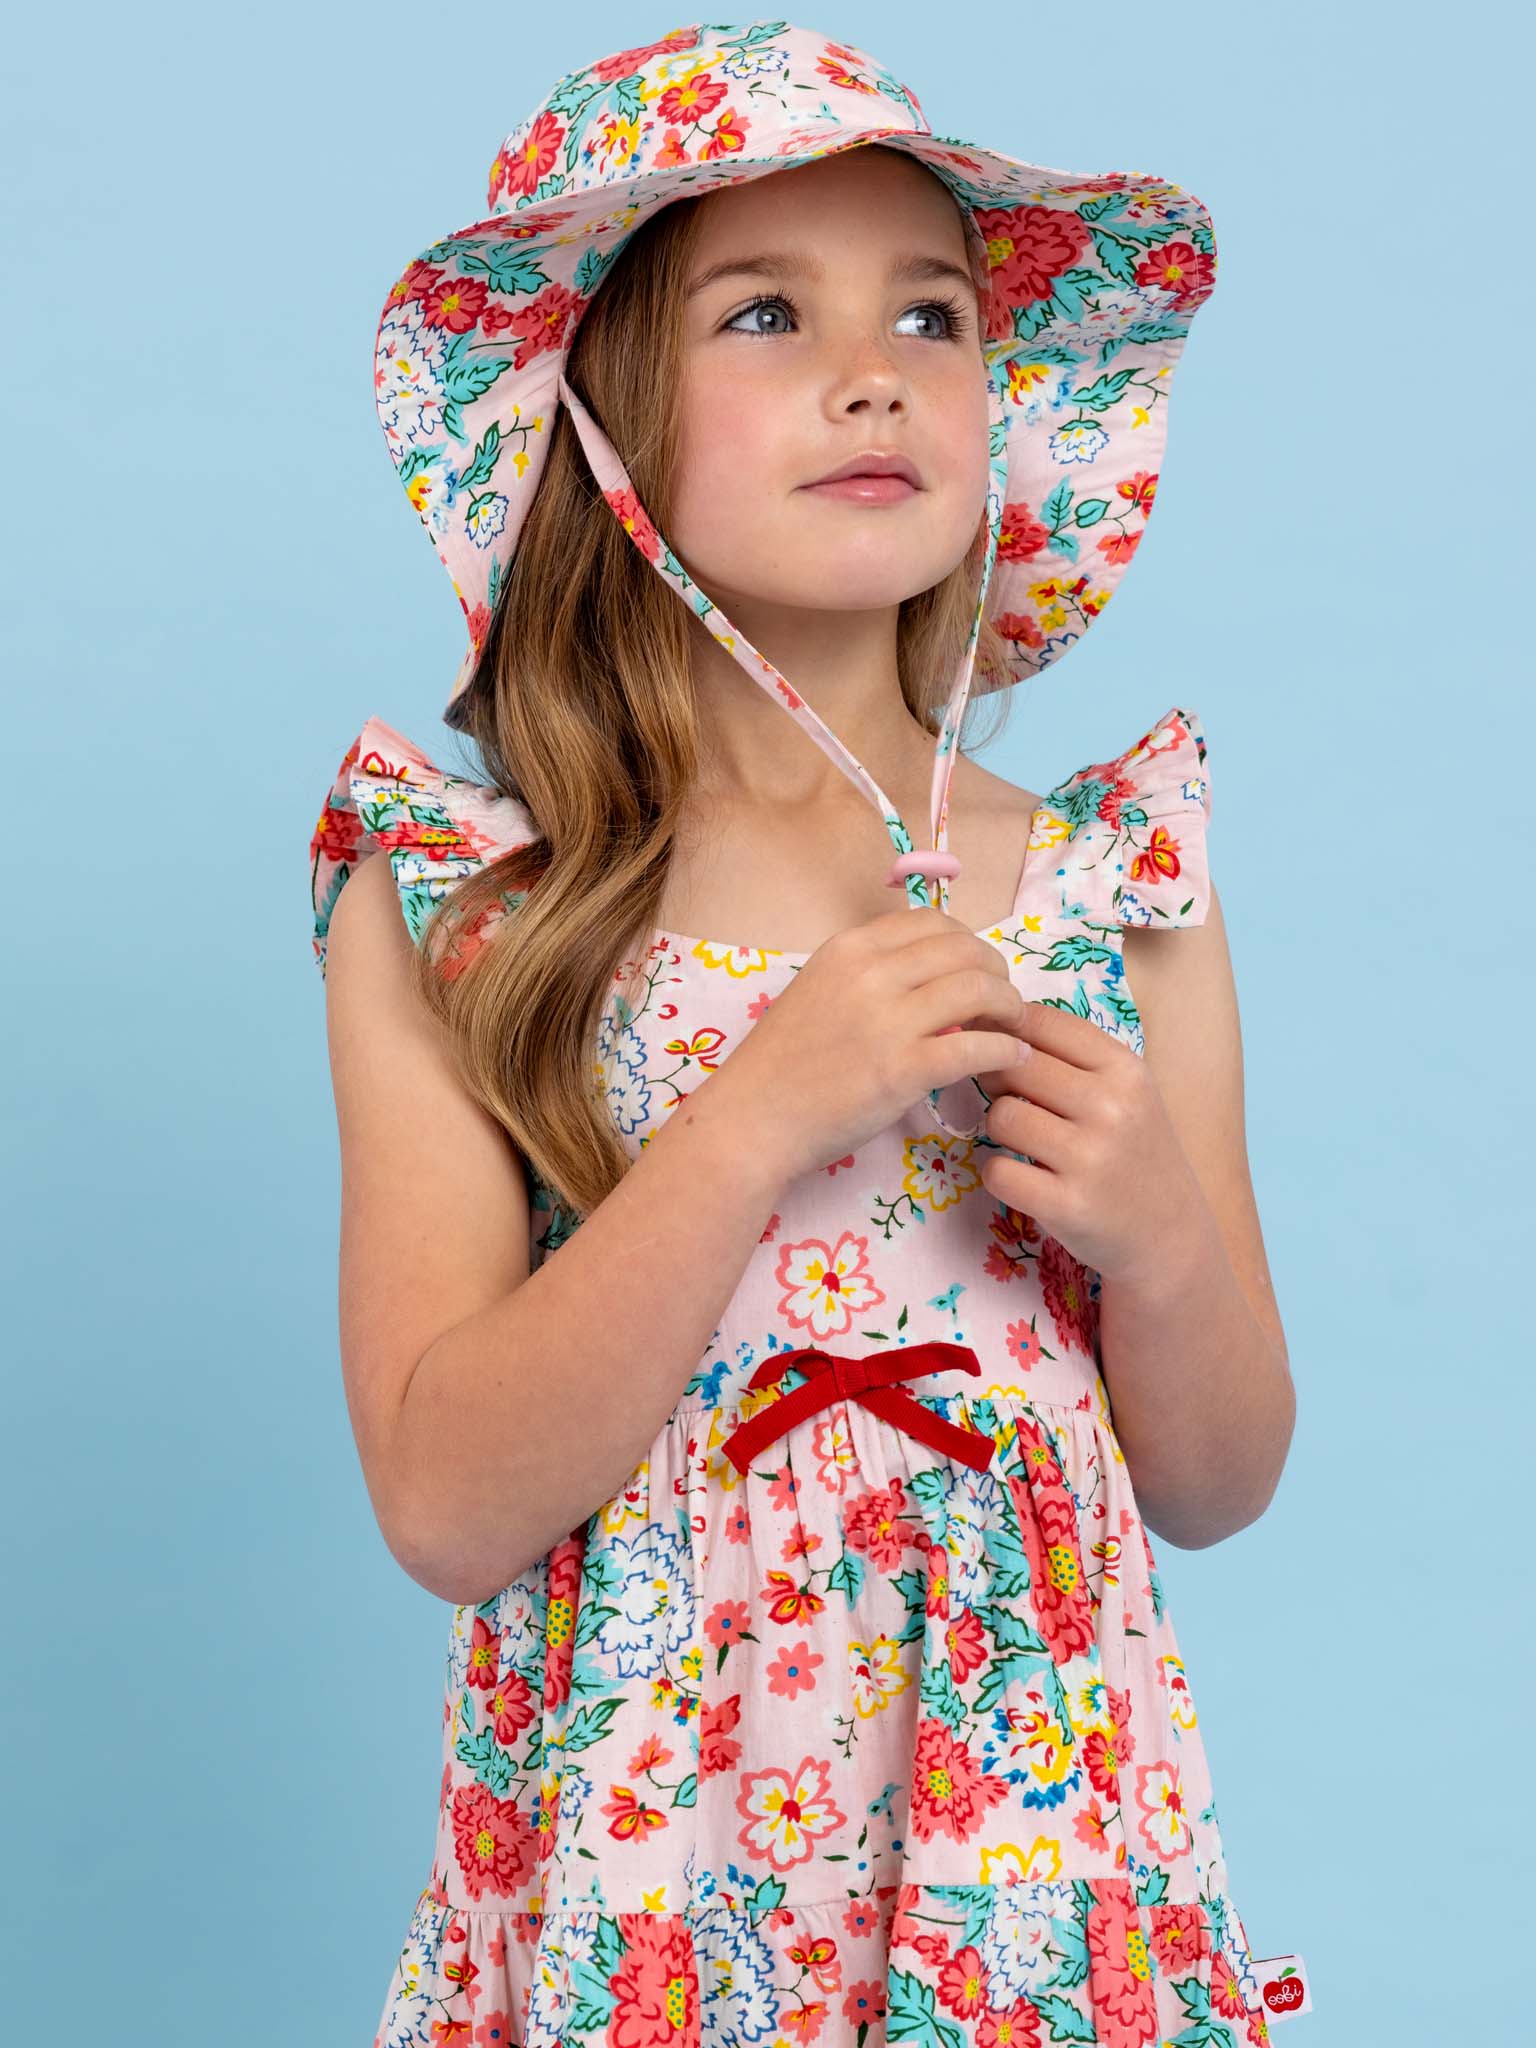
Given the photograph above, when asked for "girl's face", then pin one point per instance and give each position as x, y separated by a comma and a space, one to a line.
840, 356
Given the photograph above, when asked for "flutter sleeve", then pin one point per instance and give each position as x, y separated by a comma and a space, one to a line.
435, 827
1145, 815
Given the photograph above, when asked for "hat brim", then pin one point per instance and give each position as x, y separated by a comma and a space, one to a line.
1091, 282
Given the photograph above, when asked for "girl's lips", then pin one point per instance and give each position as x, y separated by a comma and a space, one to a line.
866, 490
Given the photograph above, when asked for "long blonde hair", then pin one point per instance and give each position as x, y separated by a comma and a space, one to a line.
583, 709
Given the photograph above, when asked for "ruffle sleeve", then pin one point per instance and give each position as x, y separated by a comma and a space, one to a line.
435, 827
1145, 814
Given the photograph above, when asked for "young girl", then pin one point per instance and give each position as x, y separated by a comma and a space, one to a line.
730, 1323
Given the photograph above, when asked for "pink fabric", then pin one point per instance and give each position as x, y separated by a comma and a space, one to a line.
860, 1743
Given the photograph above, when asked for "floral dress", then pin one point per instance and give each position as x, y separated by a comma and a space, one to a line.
868, 1722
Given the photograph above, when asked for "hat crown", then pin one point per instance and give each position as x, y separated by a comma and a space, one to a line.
692, 97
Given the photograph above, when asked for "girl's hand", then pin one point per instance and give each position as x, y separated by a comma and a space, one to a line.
877, 1016
1111, 1180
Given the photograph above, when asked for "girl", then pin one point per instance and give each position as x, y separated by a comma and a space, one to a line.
730, 1323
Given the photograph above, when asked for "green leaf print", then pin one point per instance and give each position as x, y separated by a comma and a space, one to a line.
1011, 1630
847, 1576
999, 1675
484, 1755
590, 1725
1064, 2020
939, 1697
912, 2014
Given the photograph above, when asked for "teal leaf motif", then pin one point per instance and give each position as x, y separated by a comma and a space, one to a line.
847, 1576
912, 2014
1104, 392
1064, 2020
1075, 952
589, 1725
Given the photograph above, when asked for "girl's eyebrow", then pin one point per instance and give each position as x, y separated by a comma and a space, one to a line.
786, 263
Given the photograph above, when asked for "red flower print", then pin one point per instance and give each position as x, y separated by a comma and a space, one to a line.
963, 1983
793, 1671
967, 1643
624, 63
820, 1958
727, 1622
1020, 628
531, 161
691, 98
1029, 247
630, 1816
1017, 2027
484, 1655
801, 1544
836, 65
1064, 1283
861, 1917
729, 138
564, 1581
876, 1523
1020, 535
1024, 1346
650, 1756
1092, 1825
454, 304
788, 1602
937, 1602
656, 1985
543, 322
804, 2022
717, 1752
495, 2030
1059, 1592
1226, 1992
1117, 546
1140, 489
1160, 860
788, 1812
950, 1791
510, 1708
1178, 266
636, 521
1180, 1938
1105, 1752
864, 2002
738, 1524
1119, 1969
782, 1488
492, 1841
671, 153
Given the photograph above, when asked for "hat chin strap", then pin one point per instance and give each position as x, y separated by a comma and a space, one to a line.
914, 866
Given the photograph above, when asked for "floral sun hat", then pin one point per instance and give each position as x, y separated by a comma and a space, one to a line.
1089, 285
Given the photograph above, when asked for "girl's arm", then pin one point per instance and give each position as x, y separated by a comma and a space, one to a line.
495, 1411
1195, 1356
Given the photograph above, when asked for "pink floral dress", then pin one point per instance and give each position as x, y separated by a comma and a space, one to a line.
848, 1739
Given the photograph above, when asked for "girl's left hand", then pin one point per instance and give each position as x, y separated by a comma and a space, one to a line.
1113, 1183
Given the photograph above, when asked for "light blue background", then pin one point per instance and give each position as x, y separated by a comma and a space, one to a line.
221, 1712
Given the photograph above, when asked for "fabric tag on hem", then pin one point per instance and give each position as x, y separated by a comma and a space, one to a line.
1284, 1988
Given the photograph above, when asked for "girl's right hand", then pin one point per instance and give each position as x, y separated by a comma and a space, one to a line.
878, 1015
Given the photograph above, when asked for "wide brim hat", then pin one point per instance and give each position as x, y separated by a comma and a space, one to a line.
1089, 283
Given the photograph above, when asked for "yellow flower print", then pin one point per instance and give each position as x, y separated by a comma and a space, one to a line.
938, 1171
1008, 1865
737, 961
875, 1670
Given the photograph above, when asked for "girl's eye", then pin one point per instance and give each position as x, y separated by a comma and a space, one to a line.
951, 309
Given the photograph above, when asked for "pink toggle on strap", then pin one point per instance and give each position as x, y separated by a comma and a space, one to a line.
931, 861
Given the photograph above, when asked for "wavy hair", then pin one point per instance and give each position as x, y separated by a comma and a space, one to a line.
582, 708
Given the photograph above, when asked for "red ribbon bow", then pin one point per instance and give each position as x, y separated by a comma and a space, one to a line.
872, 1380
